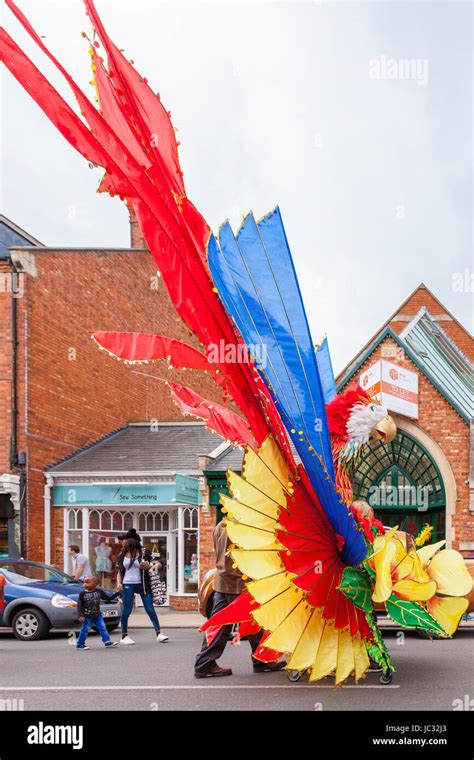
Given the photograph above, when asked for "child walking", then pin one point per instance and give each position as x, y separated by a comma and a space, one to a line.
88, 608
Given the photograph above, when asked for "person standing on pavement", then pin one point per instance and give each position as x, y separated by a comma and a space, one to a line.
89, 614
81, 564
228, 584
133, 577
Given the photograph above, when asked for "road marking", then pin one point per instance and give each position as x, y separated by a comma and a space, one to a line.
194, 687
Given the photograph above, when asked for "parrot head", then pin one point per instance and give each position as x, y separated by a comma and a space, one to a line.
354, 419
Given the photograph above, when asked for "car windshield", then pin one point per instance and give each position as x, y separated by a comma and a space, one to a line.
27, 573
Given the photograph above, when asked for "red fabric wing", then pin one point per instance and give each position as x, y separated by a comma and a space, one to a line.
223, 421
146, 347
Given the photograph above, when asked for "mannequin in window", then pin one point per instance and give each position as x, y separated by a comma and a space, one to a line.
103, 563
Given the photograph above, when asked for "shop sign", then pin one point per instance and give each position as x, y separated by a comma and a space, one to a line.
124, 495
393, 386
187, 489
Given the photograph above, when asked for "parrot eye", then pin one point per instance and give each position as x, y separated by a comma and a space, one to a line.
373, 408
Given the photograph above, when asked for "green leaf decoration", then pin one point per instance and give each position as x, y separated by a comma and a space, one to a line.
412, 615
355, 584
376, 649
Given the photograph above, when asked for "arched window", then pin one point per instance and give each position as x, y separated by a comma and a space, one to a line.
75, 519
127, 521
106, 521
190, 517
94, 520
403, 484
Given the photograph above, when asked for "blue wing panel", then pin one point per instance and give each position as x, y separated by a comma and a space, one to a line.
255, 277
326, 373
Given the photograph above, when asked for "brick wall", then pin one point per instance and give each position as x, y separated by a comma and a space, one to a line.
207, 557
136, 236
70, 392
183, 603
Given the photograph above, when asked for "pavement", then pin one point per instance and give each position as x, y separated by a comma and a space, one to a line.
168, 618
51, 674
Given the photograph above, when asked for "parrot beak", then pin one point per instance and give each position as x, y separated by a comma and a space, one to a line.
385, 430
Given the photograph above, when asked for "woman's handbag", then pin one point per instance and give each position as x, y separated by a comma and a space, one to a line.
158, 588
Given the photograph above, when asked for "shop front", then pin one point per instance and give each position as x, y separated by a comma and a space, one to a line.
95, 517
147, 476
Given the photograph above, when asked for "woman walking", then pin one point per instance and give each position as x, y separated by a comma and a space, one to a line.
133, 577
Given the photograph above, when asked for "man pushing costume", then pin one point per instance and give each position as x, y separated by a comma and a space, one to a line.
228, 584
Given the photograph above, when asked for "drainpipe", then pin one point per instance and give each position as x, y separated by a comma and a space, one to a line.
17, 461
47, 519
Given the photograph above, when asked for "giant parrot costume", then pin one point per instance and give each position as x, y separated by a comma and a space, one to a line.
313, 563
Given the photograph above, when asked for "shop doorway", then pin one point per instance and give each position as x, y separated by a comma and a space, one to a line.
158, 545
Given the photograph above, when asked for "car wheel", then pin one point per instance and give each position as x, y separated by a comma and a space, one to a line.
30, 624
112, 627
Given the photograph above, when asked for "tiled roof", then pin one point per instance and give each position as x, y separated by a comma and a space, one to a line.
144, 448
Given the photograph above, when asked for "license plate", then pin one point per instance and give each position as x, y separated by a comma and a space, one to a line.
110, 613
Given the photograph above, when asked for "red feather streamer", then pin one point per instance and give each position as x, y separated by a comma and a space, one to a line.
223, 421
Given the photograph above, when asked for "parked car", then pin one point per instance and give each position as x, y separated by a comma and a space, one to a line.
40, 597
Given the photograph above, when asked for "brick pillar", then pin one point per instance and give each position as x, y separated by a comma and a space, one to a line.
136, 237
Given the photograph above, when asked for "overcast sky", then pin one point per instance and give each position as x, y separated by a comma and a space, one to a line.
306, 105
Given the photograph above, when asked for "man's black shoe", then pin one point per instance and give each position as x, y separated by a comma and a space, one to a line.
214, 671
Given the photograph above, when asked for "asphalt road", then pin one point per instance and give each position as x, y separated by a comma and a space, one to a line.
51, 674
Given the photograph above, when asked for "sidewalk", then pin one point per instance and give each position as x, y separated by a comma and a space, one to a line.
168, 618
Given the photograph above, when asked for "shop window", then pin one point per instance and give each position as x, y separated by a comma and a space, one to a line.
127, 521
190, 517
94, 520
103, 552
75, 519
142, 522
190, 562
106, 521
117, 521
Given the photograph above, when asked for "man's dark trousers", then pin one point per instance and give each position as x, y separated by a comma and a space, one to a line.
211, 652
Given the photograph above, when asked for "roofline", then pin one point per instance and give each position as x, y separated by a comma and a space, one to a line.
119, 474
20, 231
387, 323
168, 423
63, 249
389, 333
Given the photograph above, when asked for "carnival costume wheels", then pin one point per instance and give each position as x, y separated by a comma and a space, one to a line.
314, 565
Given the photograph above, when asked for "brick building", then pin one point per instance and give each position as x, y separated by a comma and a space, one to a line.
434, 448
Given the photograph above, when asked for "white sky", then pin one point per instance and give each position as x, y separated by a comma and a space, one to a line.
275, 105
